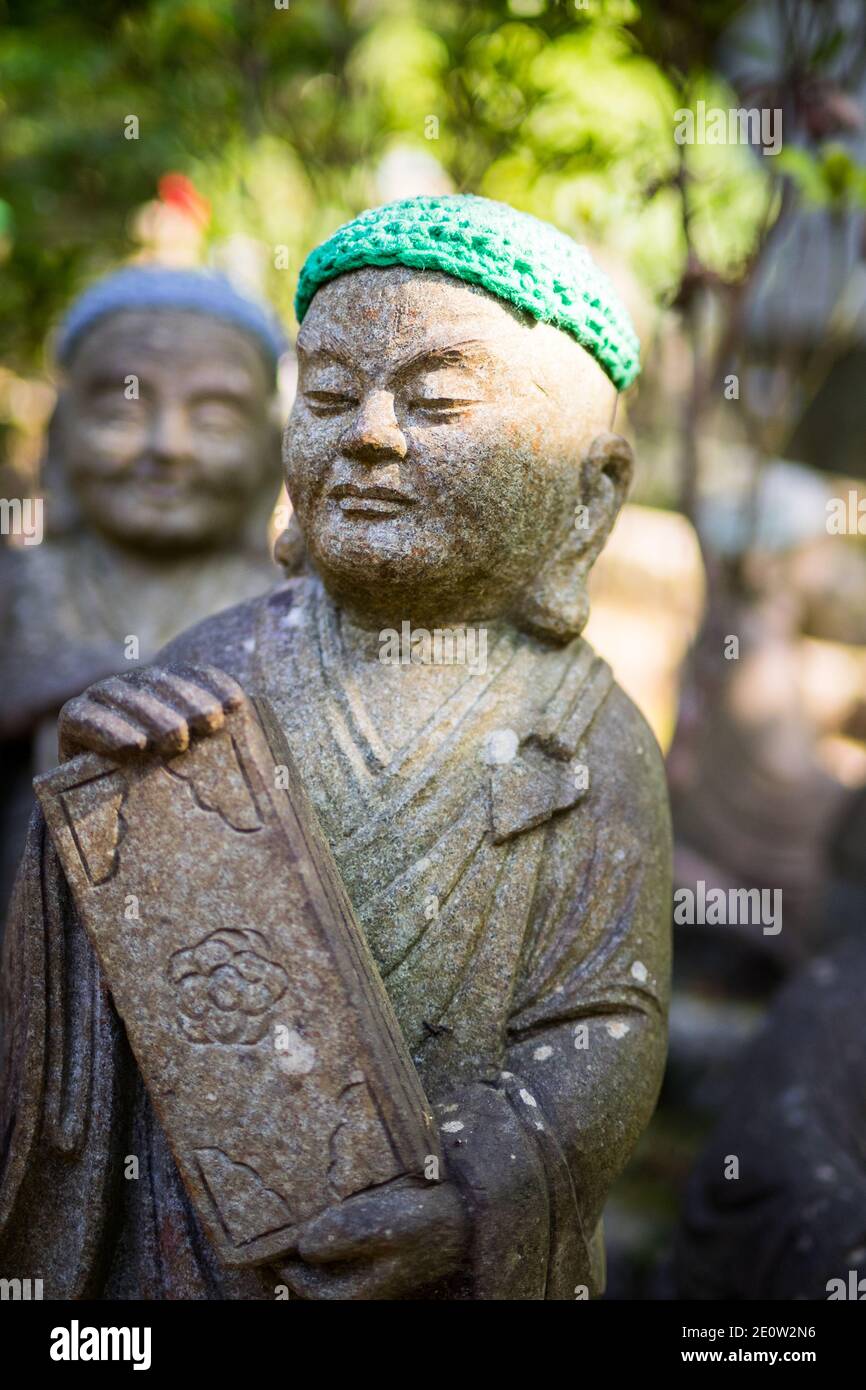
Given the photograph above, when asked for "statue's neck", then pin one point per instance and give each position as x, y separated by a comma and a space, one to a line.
404, 675
365, 642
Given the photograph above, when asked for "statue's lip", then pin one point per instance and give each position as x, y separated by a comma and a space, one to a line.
161, 488
373, 493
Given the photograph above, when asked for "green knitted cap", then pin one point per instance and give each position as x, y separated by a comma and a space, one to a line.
512, 254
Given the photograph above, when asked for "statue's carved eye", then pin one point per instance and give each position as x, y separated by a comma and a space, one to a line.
216, 415
329, 402
442, 406
111, 408
445, 391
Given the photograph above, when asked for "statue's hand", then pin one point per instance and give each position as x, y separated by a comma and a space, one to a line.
153, 709
391, 1242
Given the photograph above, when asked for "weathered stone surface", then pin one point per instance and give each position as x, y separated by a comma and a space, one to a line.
155, 516
253, 1007
499, 823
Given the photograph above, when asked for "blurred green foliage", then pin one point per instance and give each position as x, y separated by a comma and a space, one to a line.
828, 178
282, 115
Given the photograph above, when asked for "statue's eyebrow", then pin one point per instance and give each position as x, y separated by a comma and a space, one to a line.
238, 385
235, 385
324, 343
105, 380
448, 354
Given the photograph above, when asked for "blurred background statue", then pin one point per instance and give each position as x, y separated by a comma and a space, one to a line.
162, 469
775, 1206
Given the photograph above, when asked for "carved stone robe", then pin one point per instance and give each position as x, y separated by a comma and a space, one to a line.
532, 993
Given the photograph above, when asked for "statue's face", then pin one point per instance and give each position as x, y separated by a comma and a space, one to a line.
166, 428
433, 450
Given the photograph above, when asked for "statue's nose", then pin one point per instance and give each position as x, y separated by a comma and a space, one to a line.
374, 433
169, 435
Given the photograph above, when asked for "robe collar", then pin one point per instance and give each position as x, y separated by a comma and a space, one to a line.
536, 775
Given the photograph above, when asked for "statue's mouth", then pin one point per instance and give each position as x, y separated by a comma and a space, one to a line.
370, 501
161, 490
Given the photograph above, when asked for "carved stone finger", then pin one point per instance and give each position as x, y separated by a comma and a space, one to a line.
202, 709
86, 725
379, 1279
323, 1244
216, 682
362, 1226
167, 729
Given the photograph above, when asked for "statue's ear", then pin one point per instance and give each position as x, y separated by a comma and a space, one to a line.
290, 551
556, 606
606, 473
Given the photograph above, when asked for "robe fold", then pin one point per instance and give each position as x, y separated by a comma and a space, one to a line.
519, 919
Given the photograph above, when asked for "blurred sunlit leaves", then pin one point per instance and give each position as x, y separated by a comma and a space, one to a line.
283, 116
828, 178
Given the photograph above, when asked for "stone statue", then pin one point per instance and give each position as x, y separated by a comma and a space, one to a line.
161, 472
494, 803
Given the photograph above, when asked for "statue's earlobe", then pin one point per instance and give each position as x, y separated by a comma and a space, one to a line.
556, 605
290, 551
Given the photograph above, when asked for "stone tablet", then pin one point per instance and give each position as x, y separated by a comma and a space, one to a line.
250, 999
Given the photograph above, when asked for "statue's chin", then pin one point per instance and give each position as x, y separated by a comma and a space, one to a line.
375, 554
412, 572
160, 539
128, 517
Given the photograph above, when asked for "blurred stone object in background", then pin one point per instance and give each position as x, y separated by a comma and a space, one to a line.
764, 771
647, 594
757, 779
775, 1207
162, 469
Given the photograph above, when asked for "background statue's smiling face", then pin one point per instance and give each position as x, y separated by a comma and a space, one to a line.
175, 461
432, 452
